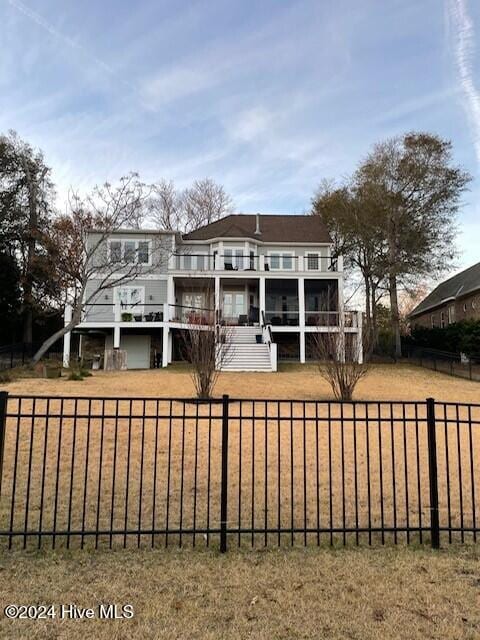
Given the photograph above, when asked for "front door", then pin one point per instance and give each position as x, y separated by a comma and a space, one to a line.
234, 304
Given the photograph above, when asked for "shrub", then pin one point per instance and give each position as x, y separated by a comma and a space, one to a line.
460, 337
6, 375
75, 375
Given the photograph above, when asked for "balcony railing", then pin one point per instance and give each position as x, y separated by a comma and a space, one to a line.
108, 312
330, 319
203, 262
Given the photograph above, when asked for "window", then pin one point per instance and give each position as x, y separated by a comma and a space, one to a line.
451, 314
313, 261
280, 261
144, 252
464, 307
442, 319
432, 321
130, 251
130, 299
187, 261
275, 261
228, 259
201, 263
115, 251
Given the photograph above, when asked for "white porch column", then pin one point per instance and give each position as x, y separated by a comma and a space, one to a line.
67, 316
217, 297
301, 301
341, 306
116, 337
302, 346
170, 299
165, 344
66, 349
261, 297
170, 347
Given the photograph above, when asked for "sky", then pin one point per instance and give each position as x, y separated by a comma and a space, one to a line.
267, 98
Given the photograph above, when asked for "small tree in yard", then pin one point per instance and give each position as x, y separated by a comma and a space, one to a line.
337, 357
207, 347
80, 257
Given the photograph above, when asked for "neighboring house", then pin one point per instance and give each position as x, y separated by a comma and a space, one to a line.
456, 299
268, 275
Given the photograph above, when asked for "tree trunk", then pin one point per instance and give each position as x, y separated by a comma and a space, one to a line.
368, 307
374, 316
56, 336
392, 281
27, 335
31, 248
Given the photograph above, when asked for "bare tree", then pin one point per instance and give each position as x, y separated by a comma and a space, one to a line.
80, 248
164, 205
337, 354
202, 203
207, 346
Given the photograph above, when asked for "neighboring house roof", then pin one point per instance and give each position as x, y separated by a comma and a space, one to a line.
273, 228
463, 283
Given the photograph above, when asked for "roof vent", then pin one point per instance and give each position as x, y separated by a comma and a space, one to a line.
257, 225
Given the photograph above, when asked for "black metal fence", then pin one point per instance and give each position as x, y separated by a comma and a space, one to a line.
90, 472
20, 353
445, 362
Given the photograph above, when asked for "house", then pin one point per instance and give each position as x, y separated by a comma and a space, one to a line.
272, 276
455, 299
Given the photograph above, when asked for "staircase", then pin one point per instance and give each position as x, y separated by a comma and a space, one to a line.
243, 352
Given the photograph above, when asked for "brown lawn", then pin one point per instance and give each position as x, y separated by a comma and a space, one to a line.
291, 466
375, 594
385, 382
150, 471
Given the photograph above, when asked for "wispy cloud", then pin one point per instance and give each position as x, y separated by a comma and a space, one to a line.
76, 46
464, 48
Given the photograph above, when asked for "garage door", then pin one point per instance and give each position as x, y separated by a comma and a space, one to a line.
137, 348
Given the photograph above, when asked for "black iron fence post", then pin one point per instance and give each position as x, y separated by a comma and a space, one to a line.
3, 422
432, 474
224, 486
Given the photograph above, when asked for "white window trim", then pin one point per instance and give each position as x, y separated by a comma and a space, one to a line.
122, 242
281, 254
235, 258
313, 254
137, 310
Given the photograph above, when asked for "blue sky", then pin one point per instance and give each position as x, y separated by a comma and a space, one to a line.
266, 97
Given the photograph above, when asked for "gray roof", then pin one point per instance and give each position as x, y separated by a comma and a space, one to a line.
273, 228
463, 283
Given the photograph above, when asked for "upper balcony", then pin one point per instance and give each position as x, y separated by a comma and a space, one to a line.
312, 263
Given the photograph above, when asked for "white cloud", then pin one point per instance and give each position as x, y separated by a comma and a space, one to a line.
464, 48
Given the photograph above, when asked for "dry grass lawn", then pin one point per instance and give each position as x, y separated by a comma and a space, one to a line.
385, 382
296, 593
377, 594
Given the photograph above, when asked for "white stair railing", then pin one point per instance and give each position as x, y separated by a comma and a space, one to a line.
268, 339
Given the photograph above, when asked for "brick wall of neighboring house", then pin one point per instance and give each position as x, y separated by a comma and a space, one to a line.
463, 308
